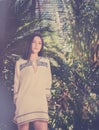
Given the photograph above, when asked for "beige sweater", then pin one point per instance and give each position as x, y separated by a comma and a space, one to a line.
31, 90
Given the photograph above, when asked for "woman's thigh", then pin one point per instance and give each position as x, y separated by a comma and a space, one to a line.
23, 126
40, 125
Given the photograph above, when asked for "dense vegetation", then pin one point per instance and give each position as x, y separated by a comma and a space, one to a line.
70, 29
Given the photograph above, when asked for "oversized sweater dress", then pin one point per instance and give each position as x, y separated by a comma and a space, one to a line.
31, 90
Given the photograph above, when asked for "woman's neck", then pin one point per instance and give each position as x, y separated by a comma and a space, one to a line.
34, 56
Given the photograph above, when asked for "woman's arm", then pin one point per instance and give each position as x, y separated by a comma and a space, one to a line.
49, 82
16, 81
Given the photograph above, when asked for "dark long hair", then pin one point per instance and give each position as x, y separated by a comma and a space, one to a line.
29, 46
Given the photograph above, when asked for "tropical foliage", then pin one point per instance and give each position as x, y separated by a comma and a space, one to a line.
69, 28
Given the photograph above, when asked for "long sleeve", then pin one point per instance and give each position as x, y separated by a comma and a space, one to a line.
49, 82
16, 81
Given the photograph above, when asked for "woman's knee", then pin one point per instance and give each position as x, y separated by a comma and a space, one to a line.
40, 125
23, 126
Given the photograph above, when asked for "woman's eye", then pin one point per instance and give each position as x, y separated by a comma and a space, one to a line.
37, 42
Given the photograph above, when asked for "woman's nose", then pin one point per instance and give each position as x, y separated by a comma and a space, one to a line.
36, 44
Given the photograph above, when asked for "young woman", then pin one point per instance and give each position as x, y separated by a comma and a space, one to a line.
32, 85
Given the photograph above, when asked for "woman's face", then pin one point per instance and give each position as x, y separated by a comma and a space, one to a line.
36, 45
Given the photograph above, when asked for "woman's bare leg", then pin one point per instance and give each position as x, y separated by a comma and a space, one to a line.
40, 125
23, 127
